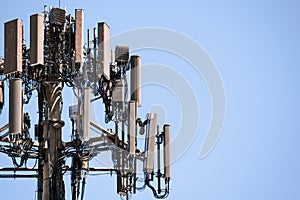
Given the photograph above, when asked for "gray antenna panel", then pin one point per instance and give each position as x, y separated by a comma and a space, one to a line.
150, 142
104, 49
167, 151
136, 79
79, 20
132, 127
36, 40
13, 46
86, 114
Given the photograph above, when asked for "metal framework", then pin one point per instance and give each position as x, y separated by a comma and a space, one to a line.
57, 59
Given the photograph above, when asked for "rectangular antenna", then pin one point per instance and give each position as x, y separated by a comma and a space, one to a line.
118, 93
150, 142
121, 54
36, 40
15, 106
132, 127
167, 151
136, 79
79, 20
104, 50
13, 46
86, 114
57, 16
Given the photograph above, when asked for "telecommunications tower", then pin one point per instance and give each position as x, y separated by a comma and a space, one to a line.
58, 58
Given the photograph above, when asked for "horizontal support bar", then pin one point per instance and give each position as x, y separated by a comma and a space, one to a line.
18, 176
92, 169
95, 169
101, 129
11, 169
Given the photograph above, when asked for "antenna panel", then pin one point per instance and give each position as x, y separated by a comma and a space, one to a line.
36, 40
13, 46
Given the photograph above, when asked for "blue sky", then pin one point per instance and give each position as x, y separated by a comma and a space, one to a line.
255, 46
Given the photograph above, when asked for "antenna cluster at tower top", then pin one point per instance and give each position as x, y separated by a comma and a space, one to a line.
55, 60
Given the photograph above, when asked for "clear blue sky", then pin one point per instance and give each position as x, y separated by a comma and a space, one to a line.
255, 46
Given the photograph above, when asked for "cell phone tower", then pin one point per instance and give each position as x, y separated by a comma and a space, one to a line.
57, 59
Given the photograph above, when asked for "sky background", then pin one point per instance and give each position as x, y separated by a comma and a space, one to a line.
255, 46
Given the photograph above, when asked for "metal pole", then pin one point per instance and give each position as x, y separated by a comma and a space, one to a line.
158, 161
53, 179
41, 144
